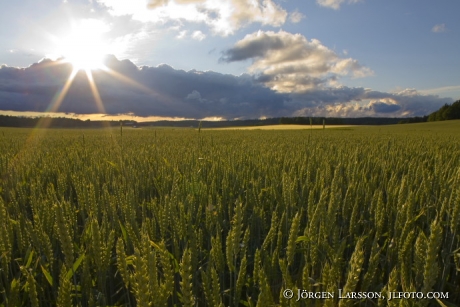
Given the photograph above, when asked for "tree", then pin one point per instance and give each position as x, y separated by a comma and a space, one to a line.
446, 112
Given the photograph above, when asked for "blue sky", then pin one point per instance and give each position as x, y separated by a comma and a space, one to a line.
230, 58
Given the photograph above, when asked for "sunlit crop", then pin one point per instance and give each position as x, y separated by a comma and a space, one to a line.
164, 217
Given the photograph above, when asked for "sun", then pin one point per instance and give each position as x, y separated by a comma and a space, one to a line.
84, 45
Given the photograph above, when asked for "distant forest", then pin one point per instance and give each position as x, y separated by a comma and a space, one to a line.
62, 122
446, 112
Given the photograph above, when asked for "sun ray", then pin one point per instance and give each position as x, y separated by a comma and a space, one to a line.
96, 95
45, 122
165, 99
59, 96
34, 138
95, 91
129, 81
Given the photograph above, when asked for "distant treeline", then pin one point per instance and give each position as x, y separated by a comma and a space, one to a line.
412, 120
446, 112
51, 122
62, 122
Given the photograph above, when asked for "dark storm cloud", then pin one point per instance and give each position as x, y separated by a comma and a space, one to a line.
381, 107
328, 96
165, 91
144, 91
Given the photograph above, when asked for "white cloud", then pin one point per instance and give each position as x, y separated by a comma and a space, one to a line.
296, 16
224, 17
359, 102
198, 35
443, 89
128, 44
182, 34
334, 4
439, 28
289, 62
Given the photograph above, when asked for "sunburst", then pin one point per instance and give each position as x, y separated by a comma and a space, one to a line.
84, 45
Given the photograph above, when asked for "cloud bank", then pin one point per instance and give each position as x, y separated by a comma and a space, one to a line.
288, 62
166, 92
224, 17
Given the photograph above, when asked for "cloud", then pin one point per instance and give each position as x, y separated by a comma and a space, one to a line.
163, 91
195, 95
198, 35
439, 28
296, 16
384, 107
288, 62
358, 102
143, 91
335, 4
182, 34
223, 17
443, 89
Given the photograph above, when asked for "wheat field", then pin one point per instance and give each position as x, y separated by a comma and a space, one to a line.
284, 127
163, 217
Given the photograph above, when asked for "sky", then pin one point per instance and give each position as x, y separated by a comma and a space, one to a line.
228, 59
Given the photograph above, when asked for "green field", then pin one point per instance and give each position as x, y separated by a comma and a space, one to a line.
181, 217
